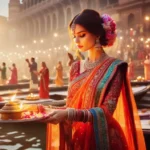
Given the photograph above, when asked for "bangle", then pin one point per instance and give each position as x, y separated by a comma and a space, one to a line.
71, 114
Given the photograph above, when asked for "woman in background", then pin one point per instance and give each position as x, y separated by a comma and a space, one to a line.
131, 69
14, 75
44, 81
59, 74
147, 68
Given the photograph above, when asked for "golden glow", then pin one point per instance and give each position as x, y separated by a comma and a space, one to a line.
142, 39
13, 98
147, 18
34, 42
55, 34
21, 105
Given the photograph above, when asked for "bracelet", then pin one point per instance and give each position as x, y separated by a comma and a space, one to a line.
71, 114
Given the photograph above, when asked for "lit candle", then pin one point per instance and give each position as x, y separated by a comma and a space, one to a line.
12, 99
21, 105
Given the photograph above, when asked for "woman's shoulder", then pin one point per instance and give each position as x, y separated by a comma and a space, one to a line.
75, 69
118, 61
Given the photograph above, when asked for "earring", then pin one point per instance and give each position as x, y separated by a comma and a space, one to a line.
97, 44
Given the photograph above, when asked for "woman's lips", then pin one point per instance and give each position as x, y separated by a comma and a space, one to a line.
79, 46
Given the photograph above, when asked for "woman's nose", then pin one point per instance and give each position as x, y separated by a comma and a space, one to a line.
76, 40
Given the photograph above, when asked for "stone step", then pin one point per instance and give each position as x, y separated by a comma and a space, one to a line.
143, 105
146, 99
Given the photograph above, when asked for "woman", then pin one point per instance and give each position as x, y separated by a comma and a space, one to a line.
147, 68
44, 81
101, 111
14, 75
130, 69
59, 74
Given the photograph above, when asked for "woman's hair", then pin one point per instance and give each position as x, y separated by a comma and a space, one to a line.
92, 22
43, 63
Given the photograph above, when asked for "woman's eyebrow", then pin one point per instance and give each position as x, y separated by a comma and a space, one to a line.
80, 32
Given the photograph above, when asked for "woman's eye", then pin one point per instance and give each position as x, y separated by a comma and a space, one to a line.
74, 37
82, 35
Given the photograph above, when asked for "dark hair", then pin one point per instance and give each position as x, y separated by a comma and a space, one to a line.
32, 58
91, 20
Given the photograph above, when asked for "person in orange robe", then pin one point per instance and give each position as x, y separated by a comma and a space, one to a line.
14, 75
131, 69
100, 112
147, 68
59, 74
44, 82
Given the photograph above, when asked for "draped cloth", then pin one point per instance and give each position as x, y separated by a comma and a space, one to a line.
120, 130
14, 76
59, 75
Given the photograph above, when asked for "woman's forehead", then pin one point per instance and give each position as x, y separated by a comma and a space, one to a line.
76, 28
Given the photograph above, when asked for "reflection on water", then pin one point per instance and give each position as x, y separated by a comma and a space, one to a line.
23, 136
11, 147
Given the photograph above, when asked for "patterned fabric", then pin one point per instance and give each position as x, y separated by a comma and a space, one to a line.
91, 97
112, 95
101, 87
100, 129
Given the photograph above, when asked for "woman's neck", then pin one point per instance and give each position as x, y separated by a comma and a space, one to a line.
94, 54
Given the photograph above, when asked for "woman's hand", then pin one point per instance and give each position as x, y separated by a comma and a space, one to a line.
56, 116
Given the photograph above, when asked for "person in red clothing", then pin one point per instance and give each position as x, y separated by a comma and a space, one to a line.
14, 76
44, 81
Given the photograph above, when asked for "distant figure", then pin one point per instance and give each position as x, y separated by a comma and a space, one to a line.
33, 71
59, 74
1, 99
14, 75
130, 69
3, 73
147, 68
44, 81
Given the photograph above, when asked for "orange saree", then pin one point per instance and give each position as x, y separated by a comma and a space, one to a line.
116, 124
59, 75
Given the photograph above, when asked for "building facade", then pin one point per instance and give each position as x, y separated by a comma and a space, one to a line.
35, 20
4, 34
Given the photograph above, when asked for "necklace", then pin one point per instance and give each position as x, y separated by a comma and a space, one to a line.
90, 65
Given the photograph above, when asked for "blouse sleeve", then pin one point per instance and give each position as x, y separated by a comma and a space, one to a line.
74, 70
113, 92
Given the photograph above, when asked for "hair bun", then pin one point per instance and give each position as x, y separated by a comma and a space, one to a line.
109, 26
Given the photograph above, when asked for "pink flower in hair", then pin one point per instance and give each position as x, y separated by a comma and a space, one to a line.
110, 26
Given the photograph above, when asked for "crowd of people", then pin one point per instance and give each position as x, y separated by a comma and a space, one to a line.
42, 74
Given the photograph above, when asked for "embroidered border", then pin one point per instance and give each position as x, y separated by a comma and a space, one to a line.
100, 129
104, 80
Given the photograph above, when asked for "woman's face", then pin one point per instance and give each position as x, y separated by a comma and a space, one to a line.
83, 39
43, 64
